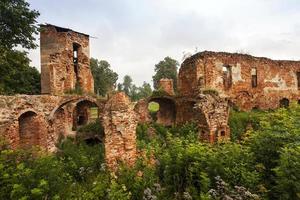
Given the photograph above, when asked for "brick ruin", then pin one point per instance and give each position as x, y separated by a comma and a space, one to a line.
209, 111
208, 83
248, 82
41, 120
65, 61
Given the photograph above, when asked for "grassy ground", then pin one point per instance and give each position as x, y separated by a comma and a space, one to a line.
94, 113
153, 107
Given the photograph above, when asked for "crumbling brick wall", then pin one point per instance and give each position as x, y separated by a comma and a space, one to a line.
250, 82
65, 61
40, 118
167, 85
119, 122
209, 111
216, 112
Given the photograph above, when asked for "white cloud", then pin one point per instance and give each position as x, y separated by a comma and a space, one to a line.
134, 35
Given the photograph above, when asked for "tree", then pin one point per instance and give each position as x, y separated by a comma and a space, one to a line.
288, 173
17, 76
17, 27
104, 78
17, 24
134, 92
145, 90
127, 85
166, 68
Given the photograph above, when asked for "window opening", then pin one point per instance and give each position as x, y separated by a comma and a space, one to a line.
254, 77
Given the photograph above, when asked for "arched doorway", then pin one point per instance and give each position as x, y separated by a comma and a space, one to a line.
84, 112
166, 110
30, 129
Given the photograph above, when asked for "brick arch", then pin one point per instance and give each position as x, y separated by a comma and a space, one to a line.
166, 114
81, 112
73, 100
32, 129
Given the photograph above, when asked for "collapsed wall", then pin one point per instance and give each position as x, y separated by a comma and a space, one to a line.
249, 82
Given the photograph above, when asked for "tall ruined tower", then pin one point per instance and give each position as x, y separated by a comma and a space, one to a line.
65, 61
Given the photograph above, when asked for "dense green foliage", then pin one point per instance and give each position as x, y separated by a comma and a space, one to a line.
104, 77
263, 163
166, 68
240, 122
16, 75
134, 92
17, 26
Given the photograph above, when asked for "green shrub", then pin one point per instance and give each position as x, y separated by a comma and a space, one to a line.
210, 91
93, 128
288, 173
77, 90
239, 121
159, 93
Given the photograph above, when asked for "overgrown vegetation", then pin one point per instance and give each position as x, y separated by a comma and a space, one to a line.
261, 163
210, 91
76, 91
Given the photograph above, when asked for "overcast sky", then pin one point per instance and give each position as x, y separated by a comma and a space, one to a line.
134, 35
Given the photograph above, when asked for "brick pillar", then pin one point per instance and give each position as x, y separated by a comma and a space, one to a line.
167, 85
119, 124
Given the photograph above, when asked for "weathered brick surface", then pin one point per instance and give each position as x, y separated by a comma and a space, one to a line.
26, 121
142, 112
167, 85
119, 122
41, 119
216, 112
209, 111
58, 71
275, 79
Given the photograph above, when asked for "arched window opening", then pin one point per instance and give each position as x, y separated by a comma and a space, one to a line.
227, 76
254, 77
163, 111
29, 127
84, 113
153, 108
284, 103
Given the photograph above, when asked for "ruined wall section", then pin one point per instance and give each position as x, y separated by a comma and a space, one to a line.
191, 76
59, 74
216, 111
43, 118
31, 113
167, 85
275, 80
119, 122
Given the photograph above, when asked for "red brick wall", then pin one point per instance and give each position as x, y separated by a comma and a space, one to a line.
275, 79
57, 67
